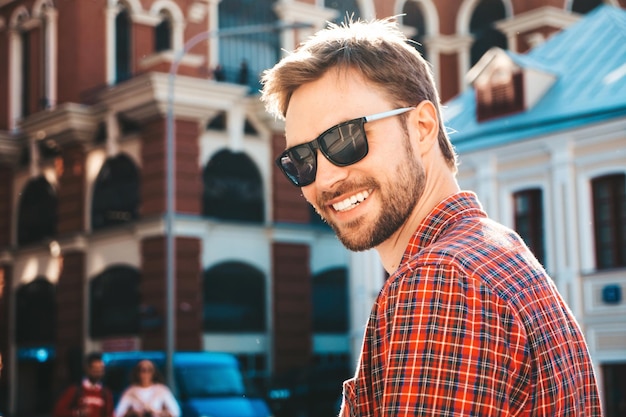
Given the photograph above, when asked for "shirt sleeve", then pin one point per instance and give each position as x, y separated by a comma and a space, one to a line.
64, 406
170, 402
441, 343
124, 404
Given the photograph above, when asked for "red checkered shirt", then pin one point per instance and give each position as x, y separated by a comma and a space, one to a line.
470, 325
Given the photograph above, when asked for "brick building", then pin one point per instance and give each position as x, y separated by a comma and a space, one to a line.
85, 111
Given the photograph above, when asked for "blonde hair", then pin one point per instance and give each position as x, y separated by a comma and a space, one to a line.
377, 49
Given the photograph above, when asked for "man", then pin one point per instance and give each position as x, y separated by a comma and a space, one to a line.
468, 323
89, 398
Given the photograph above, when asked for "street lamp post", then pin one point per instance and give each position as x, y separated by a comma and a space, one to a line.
170, 319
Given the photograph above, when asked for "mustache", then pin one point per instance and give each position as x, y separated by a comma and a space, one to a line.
345, 188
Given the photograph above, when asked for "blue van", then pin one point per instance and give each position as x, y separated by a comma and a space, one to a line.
207, 384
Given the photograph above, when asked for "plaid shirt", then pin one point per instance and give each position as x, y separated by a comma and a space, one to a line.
470, 325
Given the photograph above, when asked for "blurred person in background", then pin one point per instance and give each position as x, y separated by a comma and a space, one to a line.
147, 396
89, 398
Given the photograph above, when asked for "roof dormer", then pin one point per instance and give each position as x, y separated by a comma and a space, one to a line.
507, 83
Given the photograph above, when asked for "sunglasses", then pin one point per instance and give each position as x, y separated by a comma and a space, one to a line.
343, 144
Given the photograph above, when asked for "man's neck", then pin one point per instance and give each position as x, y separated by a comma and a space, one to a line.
392, 250
93, 382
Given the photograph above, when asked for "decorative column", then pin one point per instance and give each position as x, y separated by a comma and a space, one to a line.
566, 262
71, 312
292, 310
450, 56
188, 294
188, 298
71, 193
71, 291
6, 199
51, 19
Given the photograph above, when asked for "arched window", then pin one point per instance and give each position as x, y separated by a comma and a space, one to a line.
232, 188
585, 6
163, 33
234, 298
609, 220
116, 193
330, 301
37, 212
36, 313
243, 58
482, 27
414, 18
114, 302
123, 29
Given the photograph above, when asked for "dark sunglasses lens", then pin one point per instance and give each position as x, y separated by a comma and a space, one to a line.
298, 163
346, 144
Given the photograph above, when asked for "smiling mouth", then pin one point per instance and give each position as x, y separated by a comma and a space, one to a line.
351, 202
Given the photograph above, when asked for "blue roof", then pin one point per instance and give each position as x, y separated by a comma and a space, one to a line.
589, 61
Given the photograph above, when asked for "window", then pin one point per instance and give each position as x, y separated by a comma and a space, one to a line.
609, 215
614, 378
26, 72
529, 220
37, 212
414, 18
585, 6
242, 58
122, 46
346, 8
114, 302
254, 369
232, 188
234, 298
36, 313
163, 34
116, 193
482, 27
330, 301
500, 94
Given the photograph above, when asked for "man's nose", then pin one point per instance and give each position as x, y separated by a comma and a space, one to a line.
328, 174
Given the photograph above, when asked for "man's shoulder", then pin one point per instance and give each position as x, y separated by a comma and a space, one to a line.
470, 238
70, 389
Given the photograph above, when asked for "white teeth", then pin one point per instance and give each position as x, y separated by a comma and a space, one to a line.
351, 201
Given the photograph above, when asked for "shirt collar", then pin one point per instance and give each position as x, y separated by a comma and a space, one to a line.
444, 214
88, 384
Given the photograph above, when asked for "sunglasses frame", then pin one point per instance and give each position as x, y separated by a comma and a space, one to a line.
314, 144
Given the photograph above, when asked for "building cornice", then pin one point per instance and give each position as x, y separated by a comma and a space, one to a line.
9, 148
449, 43
192, 60
537, 18
292, 12
146, 96
66, 123
274, 124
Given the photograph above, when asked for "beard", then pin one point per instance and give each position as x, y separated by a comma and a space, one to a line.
398, 199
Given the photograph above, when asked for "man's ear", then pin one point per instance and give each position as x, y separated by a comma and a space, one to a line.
425, 122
